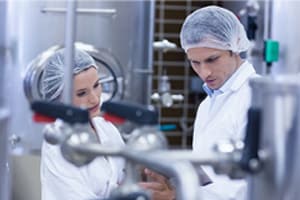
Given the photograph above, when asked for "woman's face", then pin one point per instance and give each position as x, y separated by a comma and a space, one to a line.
87, 91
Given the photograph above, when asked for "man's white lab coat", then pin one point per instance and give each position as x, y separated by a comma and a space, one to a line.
223, 116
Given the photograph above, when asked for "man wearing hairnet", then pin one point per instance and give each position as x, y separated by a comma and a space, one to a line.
213, 39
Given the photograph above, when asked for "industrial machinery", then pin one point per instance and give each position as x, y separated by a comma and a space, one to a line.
277, 100
4, 109
79, 147
110, 71
268, 156
124, 58
32, 30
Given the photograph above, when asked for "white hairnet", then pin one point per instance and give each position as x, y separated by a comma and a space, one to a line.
52, 80
213, 27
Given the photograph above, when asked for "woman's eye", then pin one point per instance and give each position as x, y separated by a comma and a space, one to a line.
80, 94
96, 85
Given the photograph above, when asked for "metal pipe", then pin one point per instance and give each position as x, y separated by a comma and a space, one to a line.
89, 11
70, 33
96, 150
4, 170
3, 47
142, 68
149, 54
188, 155
187, 182
179, 155
267, 32
267, 29
4, 112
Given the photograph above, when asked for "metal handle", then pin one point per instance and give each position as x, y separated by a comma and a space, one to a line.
67, 113
133, 112
250, 160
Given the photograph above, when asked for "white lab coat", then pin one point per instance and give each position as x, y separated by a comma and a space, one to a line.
62, 180
223, 116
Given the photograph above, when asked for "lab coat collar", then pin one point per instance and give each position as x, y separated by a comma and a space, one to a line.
241, 75
104, 139
234, 82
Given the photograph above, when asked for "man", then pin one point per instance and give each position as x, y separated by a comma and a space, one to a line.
213, 39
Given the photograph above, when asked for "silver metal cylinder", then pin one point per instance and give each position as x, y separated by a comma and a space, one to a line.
4, 111
281, 13
141, 73
70, 35
278, 98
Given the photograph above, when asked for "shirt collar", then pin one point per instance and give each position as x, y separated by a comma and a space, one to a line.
207, 90
235, 81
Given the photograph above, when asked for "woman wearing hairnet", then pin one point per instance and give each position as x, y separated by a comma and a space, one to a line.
213, 39
61, 179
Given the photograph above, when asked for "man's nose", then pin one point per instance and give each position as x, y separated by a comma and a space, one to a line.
204, 72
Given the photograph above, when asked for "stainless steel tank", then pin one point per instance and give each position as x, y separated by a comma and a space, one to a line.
121, 30
278, 99
285, 29
4, 110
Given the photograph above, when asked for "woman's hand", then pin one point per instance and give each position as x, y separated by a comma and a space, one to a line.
158, 185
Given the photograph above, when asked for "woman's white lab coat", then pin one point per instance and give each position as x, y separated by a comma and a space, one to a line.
223, 116
62, 180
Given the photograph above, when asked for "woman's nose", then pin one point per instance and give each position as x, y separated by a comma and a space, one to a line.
93, 98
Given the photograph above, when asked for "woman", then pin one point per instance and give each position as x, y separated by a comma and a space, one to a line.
60, 179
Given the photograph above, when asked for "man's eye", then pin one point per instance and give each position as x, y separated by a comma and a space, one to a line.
195, 63
213, 59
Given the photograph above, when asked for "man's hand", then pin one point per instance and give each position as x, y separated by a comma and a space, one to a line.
159, 186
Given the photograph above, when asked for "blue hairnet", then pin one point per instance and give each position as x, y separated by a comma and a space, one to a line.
52, 80
213, 27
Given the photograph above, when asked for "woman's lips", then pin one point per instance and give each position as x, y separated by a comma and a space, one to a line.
94, 108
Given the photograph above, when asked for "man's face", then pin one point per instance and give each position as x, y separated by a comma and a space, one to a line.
213, 66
